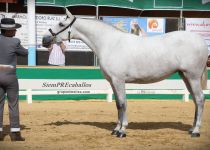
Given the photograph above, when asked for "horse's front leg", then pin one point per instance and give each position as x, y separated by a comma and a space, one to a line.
118, 87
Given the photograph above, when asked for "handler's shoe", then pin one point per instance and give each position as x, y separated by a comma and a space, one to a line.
1, 136
16, 136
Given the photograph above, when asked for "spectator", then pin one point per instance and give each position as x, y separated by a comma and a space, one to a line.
57, 53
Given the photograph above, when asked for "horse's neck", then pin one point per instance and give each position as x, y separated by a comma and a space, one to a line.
92, 33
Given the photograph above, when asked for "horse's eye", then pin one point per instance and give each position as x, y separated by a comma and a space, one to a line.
61, 24
67, 17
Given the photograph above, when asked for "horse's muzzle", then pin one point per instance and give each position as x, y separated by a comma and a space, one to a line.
47, 41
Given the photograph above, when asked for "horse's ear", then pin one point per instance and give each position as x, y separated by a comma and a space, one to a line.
68, 13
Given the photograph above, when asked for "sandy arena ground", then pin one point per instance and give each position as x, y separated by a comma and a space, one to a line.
86, 125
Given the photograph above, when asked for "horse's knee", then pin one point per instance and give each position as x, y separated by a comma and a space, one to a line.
121, 105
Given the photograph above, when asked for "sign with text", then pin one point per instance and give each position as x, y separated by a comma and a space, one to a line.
200, 26
43, 23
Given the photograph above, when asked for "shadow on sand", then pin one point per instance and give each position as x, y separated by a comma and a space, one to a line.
132, 125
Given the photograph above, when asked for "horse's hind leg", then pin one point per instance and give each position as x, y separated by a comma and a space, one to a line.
194, 87
121, 103
190, 90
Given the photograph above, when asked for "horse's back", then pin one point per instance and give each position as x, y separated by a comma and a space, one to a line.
184, 37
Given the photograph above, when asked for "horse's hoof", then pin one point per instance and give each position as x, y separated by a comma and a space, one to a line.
114, 132
121, 134
189, 132
195, 135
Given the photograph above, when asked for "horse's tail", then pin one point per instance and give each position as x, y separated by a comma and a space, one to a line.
204, 78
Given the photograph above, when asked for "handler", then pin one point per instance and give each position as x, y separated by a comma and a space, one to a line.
9, 49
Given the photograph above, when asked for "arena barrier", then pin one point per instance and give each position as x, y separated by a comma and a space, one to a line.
99, 86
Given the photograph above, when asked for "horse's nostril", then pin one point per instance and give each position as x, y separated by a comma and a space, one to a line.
46, 45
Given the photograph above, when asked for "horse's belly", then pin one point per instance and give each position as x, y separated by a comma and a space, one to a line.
149, 76
146, 80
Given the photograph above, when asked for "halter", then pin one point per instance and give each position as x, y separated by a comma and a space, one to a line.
69, 32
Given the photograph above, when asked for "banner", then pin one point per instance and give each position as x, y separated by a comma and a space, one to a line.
43, 23
200, 26
138, 26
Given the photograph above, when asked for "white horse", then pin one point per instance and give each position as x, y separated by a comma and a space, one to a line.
126, 58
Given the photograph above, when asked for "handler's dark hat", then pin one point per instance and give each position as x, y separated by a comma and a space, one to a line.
9, 24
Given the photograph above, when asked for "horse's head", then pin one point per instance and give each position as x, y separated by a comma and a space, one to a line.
60, 32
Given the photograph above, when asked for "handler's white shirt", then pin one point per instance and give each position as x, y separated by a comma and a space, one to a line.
57, 57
